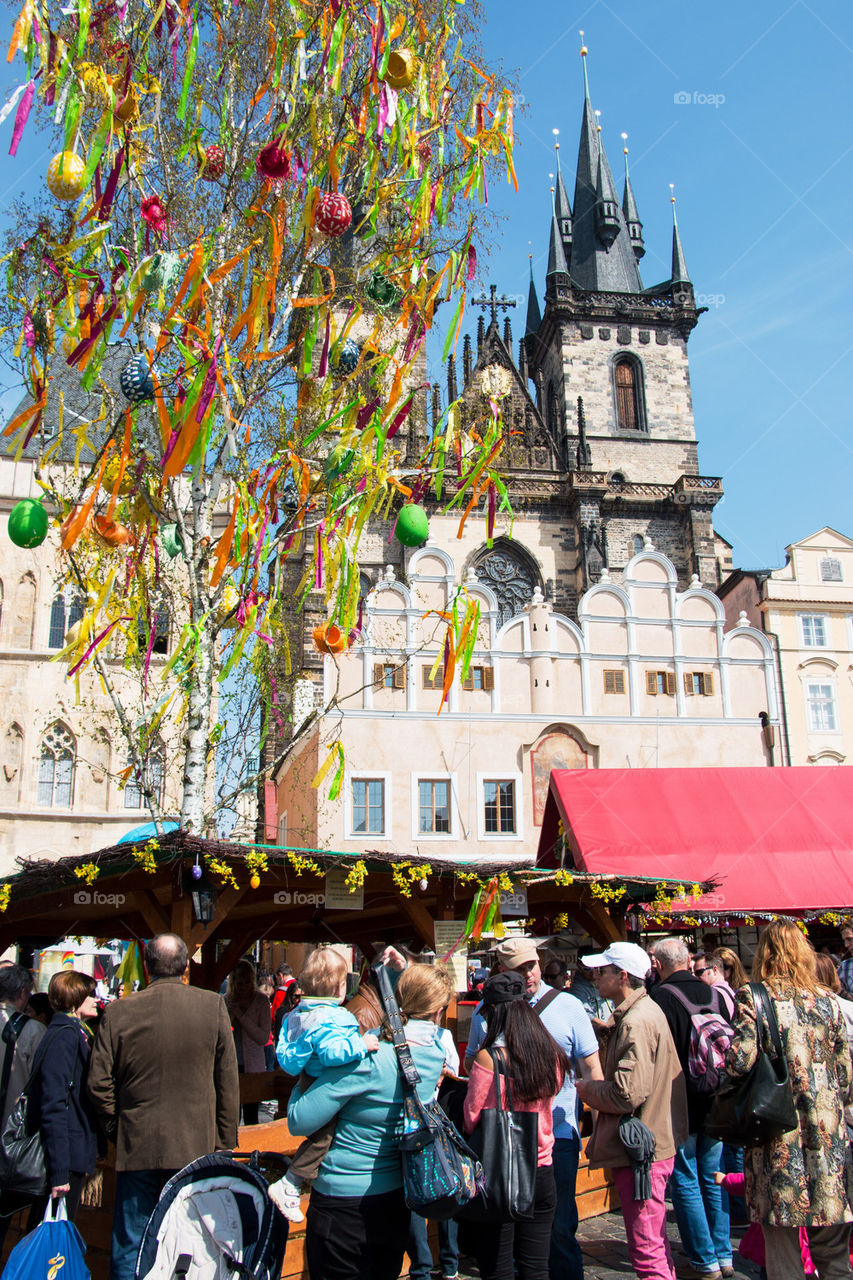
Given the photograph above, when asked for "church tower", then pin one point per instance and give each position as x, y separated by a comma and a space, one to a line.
600, 400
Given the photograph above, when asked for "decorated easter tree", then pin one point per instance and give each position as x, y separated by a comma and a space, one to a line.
253, 212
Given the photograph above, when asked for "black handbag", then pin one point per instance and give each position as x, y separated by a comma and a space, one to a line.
440, 1171
23, 1167
758, 1107
507, 1142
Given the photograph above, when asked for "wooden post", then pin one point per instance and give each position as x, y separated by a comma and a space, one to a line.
417, 913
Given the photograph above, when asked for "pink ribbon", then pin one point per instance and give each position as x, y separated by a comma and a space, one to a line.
21, 116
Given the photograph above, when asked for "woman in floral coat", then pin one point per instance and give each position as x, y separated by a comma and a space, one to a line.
803, 1178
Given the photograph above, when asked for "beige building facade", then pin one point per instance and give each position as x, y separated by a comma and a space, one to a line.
61, 754
645, 677
805, 609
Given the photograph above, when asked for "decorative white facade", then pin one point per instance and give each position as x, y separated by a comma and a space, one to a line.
647, 677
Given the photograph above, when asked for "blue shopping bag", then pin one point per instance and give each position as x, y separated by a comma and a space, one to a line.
54, 1251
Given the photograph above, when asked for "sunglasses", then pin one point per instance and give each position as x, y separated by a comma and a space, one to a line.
699, 972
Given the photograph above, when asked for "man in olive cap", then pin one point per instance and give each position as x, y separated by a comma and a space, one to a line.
567, 1022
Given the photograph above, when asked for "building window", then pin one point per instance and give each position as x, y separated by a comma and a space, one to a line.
58, 624
660, 682
432, 682
639, 544
134, 795
282, 831
830, 569
814, 630
160, 623
56, 768
499, 808
820, 703
511, 576
368, 806
614, 682
627, 376
479, 678
389, 675
698, 684
434, 806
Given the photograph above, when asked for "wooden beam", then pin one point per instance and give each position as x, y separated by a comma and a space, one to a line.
235, 951
597, 921
417, 913
151, 911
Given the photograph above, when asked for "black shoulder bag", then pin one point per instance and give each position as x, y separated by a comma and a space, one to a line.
758, 1107
23, 1167
507, 1142
440, 1171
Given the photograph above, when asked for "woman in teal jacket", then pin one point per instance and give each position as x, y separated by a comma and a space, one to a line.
358, 1223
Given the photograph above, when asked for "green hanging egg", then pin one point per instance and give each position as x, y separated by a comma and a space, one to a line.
171, 540
382, 291
412, 525
28, 523
338, 461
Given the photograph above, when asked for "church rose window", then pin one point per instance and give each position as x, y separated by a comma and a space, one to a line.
512, 581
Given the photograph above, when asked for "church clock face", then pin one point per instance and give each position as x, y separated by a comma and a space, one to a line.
511, 580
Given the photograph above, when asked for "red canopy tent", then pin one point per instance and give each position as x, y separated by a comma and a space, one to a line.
773, 840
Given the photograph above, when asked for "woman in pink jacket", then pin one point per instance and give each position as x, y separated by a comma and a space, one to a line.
537, 1067
249, 1009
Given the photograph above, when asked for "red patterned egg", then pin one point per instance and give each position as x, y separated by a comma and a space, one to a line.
332, 215
214, 163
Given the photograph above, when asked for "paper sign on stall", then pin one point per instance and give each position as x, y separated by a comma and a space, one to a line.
446, 933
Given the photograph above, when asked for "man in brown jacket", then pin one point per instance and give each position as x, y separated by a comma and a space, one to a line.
642, 1078
163, 1079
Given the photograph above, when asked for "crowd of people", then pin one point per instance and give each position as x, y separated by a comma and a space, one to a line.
623, 1045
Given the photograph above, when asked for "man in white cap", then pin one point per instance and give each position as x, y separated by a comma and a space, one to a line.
566, 1020
643, 1081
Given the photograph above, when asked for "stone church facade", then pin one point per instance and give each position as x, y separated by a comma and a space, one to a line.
601, 642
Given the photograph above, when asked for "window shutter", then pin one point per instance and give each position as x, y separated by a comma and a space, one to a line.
651, 682
670, 682
707, 683
400, 676
468, 682
688, 683
488, 679
378, 675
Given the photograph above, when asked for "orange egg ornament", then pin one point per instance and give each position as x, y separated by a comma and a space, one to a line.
329, 639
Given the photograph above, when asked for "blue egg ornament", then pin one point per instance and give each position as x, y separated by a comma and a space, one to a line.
136, 381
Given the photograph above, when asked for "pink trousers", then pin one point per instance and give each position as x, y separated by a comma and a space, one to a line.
645, 1222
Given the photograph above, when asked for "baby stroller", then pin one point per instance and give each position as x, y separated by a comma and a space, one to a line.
214, 1221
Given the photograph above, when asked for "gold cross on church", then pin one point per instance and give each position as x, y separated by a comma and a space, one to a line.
493, 302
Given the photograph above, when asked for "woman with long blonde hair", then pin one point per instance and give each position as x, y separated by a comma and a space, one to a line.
803, 1178
731, 966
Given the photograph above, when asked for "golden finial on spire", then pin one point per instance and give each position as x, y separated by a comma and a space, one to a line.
598, 122
556, 133
672, 193
584, 50
625, 141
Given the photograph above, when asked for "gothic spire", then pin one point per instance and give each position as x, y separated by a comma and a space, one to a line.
556, 253
583, 459
679, 266
602, 257
629, 209
562, 208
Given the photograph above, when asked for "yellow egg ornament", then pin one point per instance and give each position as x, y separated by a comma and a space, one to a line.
255, 881
66, 176
111, 470
401, 68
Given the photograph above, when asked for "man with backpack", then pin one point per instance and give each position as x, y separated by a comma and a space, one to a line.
700, 1024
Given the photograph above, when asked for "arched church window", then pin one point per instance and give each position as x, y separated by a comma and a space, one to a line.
552, 413
56, 768
638, 544
628, 380
60, 625
511, 577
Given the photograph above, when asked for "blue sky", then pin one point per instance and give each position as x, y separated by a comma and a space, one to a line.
762, 161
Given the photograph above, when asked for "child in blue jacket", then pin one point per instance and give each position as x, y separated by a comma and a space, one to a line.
318, 1033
